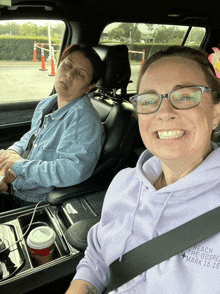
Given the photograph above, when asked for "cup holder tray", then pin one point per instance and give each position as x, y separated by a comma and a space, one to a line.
11, 255
17, 259
41, 218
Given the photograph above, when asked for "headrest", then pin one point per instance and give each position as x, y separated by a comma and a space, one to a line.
117, 69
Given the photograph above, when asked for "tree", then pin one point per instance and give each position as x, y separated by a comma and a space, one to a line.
10, 28
131, 31
150, 27
29, 29
116, 34
43, 30
196, 35
168, 34
58, 29
2, 29
127, 32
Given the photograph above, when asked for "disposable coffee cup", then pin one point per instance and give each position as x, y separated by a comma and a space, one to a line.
41, 244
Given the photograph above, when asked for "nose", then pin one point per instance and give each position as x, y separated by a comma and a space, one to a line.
166, 111
70, 74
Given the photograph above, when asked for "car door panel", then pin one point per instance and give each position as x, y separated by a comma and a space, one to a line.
15, 120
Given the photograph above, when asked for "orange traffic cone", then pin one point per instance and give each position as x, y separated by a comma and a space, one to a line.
143, 57
52, 63
35, 52
42, 58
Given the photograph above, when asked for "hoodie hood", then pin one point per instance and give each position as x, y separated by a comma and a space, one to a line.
148, 171
133, 207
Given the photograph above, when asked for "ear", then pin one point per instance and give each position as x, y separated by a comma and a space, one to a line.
89, 88
216, 115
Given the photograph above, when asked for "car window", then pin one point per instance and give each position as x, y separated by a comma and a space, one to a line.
145, 39
27, 68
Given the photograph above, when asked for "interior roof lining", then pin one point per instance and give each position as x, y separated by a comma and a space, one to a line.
132, 13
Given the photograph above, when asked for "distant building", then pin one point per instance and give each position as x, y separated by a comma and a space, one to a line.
147, 38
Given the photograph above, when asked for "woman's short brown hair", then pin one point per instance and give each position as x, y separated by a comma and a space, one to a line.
91, 55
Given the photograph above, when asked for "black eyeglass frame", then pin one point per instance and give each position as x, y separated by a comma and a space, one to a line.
162, 96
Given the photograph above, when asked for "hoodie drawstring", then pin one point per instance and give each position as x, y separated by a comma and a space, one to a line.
132, 222
160, 214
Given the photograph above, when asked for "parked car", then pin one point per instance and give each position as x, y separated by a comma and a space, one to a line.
71, 211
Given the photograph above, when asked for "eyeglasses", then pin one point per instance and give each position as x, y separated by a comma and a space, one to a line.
184, 98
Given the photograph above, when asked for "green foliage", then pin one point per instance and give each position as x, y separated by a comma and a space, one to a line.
151, 48
28, 29
21, 48
32, 29
196, 35
168, 34
10, 28
160, 34
125, 31
116, 34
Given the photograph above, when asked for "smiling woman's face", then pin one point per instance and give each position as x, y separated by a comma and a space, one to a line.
73, 77
190, 129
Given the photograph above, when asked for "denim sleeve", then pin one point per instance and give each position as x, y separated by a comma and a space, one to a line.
21, 145
76, 156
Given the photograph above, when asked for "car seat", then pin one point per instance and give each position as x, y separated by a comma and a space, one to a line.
116, 116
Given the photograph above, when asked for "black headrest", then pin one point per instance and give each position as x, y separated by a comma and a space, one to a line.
117, 69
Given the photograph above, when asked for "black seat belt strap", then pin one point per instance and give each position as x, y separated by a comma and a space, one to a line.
163, 247
34, 136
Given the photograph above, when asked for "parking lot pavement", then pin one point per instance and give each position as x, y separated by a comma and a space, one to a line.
135, 68
25, 81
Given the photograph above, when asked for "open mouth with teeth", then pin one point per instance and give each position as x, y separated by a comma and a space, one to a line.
170, 134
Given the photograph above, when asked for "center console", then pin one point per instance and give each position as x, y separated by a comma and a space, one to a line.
71, 221
19, 272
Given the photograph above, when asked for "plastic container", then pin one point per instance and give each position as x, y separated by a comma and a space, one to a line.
41, 242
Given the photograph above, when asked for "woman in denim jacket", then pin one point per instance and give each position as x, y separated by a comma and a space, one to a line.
64, 143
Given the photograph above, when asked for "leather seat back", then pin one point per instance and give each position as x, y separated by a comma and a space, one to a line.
117, 71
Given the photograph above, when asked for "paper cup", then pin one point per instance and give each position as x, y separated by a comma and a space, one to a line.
41, 244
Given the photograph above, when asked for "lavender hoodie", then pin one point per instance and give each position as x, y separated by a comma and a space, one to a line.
135, 212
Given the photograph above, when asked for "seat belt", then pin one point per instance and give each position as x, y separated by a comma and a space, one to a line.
163, 247
34, 136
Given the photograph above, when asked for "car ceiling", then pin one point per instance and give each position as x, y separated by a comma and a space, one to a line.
185, 12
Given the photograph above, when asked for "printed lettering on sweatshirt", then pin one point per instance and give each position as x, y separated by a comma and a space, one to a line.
202, 256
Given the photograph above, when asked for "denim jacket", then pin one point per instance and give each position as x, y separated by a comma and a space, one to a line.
65, 152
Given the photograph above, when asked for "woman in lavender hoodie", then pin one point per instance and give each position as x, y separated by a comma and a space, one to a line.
178, 109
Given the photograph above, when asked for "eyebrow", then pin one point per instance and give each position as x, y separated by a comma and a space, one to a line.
176, 87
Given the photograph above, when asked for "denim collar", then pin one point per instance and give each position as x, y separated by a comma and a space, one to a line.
58, 114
